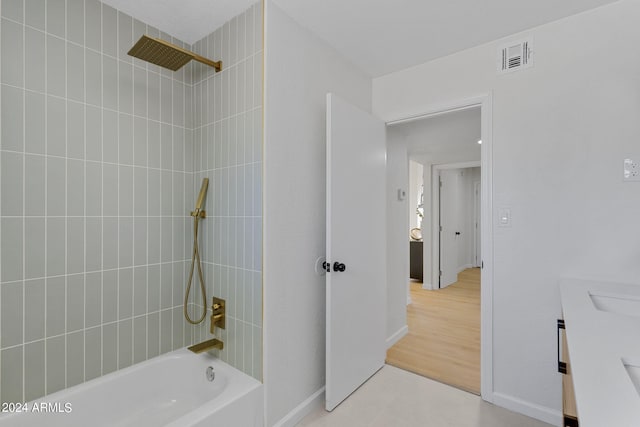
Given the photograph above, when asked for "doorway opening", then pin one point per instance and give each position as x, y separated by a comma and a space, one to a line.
445, 159
455, 220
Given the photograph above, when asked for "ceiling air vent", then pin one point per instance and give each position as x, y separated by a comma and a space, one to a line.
515, 56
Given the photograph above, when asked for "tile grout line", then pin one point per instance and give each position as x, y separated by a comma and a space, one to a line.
23, 220
116, 269
46, 208
237, 330
173, 142
87, 104
133, 184
84, 194
66, 199
102, 234
117, 278
147, 190
113, 322
1, 156
163, 195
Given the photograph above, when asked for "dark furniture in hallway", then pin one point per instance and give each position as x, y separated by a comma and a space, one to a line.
415, 260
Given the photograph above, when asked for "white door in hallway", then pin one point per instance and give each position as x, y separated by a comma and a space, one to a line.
356, 244
449, 226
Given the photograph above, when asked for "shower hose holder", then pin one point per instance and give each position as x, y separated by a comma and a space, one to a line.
199, 213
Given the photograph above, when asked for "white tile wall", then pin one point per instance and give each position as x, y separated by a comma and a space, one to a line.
97, 178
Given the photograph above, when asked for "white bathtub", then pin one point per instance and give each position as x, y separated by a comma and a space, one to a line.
171, 390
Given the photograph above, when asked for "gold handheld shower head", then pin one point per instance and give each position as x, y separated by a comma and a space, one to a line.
197, 214
203, 193
167, 55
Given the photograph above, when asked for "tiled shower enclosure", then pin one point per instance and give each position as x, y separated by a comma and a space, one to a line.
101, 158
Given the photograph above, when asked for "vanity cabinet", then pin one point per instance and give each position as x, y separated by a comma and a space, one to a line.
601, 352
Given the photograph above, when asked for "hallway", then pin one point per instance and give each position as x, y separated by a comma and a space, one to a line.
443, 342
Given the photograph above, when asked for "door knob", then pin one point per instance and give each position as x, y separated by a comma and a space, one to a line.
338, 266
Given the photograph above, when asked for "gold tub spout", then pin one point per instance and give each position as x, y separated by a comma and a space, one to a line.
207, 345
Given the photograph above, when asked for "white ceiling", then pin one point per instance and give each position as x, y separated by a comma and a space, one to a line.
379, 36
187, 20
446, 134
383, 36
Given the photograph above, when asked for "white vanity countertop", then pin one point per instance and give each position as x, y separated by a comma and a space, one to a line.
601, 341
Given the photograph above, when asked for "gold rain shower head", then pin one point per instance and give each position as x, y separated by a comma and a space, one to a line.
167, 55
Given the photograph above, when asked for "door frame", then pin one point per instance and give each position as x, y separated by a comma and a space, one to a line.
477, 236
435, 214
485, 102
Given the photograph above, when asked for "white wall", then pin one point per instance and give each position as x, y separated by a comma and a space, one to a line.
415, 185
397, 237
300, 69
561, 130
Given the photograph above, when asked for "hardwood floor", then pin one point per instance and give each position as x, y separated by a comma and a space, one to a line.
443, 342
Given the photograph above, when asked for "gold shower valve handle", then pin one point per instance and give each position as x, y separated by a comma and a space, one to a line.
218, 314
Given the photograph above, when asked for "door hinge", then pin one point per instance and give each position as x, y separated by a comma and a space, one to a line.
562, 366
440, 228
481, 264
440, 273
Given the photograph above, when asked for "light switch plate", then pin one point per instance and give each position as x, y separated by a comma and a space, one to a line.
631, 169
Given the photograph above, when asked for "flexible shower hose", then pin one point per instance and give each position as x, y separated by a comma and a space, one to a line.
195, 258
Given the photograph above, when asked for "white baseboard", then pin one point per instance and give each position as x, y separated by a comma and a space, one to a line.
427, 286
302, 410
464, 267
542, 413
397, 336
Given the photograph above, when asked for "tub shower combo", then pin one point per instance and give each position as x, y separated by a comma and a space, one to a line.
175, 389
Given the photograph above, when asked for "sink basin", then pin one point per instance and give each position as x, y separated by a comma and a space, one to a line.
633, 369
619, 304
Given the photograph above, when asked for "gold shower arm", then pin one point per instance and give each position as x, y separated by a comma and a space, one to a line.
217, 65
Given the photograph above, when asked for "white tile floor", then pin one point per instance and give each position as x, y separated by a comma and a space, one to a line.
397, 398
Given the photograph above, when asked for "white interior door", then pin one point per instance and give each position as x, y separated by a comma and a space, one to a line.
449, 226
356, 238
